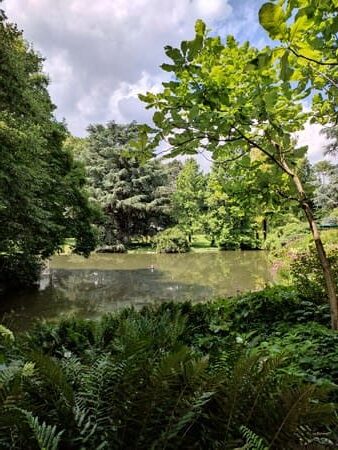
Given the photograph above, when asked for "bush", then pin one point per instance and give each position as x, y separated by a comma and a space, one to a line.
286, 235
311, 348
172, 240
242, 239
19, 270
307, 274
262, 311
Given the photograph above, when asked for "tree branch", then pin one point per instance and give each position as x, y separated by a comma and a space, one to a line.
322, 63
263, 150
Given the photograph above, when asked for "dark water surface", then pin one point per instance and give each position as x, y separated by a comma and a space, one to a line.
106, 282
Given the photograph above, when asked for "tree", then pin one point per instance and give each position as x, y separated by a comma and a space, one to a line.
41, 187
307, 55
188, 197
252, 190
331, 133
231, 215
134, 196
230, 99
326, 192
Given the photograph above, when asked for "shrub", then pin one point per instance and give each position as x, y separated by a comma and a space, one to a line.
287, 234
244, 240
311, 348
19, 270
172, 240
262, 311
307, 274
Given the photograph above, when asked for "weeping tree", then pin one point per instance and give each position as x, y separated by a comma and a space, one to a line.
231, 100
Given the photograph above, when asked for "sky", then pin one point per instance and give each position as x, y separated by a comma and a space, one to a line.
100, 54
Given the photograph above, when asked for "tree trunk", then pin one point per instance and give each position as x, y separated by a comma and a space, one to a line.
265, 228
329, 280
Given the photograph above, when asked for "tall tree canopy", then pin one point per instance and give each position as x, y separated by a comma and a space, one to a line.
41, 197
232, 99
134, 196
326, 192
188, 199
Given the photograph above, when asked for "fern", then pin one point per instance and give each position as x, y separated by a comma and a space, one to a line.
45, 435
253, 442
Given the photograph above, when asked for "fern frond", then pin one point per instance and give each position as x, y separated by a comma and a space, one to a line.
252, 440
45, 435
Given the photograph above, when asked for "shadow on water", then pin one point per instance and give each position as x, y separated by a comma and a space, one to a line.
104, 283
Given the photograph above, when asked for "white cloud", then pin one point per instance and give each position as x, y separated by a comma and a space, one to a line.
312, 137
98, 54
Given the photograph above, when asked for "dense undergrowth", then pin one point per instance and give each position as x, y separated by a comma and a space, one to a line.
255, 372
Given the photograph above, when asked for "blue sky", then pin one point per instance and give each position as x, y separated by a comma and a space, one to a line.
100, 54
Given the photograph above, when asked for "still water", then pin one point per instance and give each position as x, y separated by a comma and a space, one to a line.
107, 282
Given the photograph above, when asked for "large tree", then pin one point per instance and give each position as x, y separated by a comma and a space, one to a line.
188, 198
41, 197
231, 99
134, 196
241, 200
326, 192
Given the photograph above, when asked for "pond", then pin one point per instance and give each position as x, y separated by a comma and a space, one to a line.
107, 282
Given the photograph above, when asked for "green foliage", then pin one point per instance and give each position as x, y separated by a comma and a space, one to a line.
133, 195
253, 441
45, 435
307, 274
231, 215
217, 103
307, 31
143, 380
41, 196
188, 197
326, 192
262, 311
234, 101
315, 346
172, 240
286, 234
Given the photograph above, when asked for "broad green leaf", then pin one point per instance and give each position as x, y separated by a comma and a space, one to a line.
286, 71
277, 53
308, 52
173, 53
272, 18
158, 118
270, 99
184, 47
194, 47
217, 74
302, 24
200, 27
168, 67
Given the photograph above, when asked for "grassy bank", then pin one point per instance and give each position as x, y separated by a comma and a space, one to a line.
253, 372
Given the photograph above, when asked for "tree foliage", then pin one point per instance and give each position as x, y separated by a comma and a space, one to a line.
41, 196
231, 99
167, 377
188, 198
133, 195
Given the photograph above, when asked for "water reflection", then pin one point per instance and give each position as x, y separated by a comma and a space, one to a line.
103, 283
